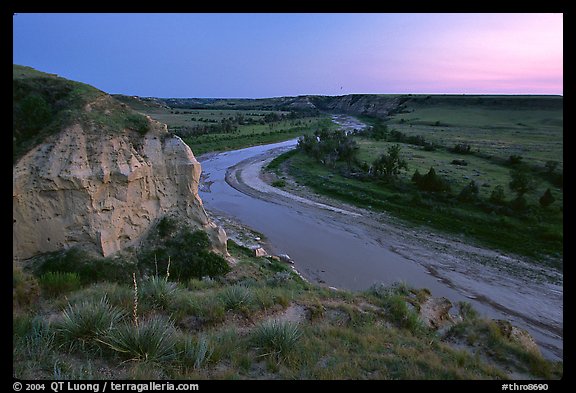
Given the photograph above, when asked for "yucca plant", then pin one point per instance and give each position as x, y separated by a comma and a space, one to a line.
39, 342
152, 340
158, 292
276, 338
235, 297
84, 323
194, 352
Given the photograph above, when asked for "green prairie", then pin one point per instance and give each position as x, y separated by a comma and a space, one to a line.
528, 129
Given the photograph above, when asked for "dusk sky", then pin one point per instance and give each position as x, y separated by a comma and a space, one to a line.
271, 55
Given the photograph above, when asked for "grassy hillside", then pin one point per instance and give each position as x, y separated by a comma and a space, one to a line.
259, 320
43, 104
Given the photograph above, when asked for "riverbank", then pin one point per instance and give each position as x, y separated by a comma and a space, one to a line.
481, 276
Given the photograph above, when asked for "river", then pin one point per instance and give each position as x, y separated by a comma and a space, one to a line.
352, 251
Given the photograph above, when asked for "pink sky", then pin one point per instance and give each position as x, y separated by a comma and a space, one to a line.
271, 55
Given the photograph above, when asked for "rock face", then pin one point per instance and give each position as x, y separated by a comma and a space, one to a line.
359, 104
434, 311
517, 335
104, 191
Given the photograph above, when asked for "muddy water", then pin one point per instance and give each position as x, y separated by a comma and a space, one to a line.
328, 248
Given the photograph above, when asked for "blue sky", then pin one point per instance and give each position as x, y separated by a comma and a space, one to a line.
270, 55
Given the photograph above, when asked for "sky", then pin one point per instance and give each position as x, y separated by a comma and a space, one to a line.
260, 55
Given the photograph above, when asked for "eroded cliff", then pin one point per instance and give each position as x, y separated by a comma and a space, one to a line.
102, 188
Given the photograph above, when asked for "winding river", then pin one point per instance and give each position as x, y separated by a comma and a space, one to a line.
350, 250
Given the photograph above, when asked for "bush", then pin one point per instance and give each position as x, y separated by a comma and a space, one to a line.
25, 288
279, 183
166, 226
546, 199
431, 182
57, 283
151, 341
189, 257
84, 324
469, 193
461, 148
514, 159
497, 196
519, 204
276, 338
138, 123
88, 269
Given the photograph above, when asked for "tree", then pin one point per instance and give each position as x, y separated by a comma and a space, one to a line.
347, 150
388, 166
521, 183
469, 193
432, 182
546, 199
497, 196
416, 177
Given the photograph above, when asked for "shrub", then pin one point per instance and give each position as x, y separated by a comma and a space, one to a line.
137, 122
57, 283
121, 296
497, 196
546, 199
469, 193
431, 182
519, 204
189, 255
279, 183
89, 269
25, 288
85, 323
461, 148
276, 338
514, 159
166, 226
152, 340
388, 166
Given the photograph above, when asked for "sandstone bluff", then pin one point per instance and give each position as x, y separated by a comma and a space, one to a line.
103, 191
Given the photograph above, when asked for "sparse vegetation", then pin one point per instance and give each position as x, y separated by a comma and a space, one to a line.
238, 326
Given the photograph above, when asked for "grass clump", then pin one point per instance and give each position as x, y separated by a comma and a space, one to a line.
151, 341
276, 339
40, 340
194, 353
84, 324
158, 292
236, 297
57, 283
